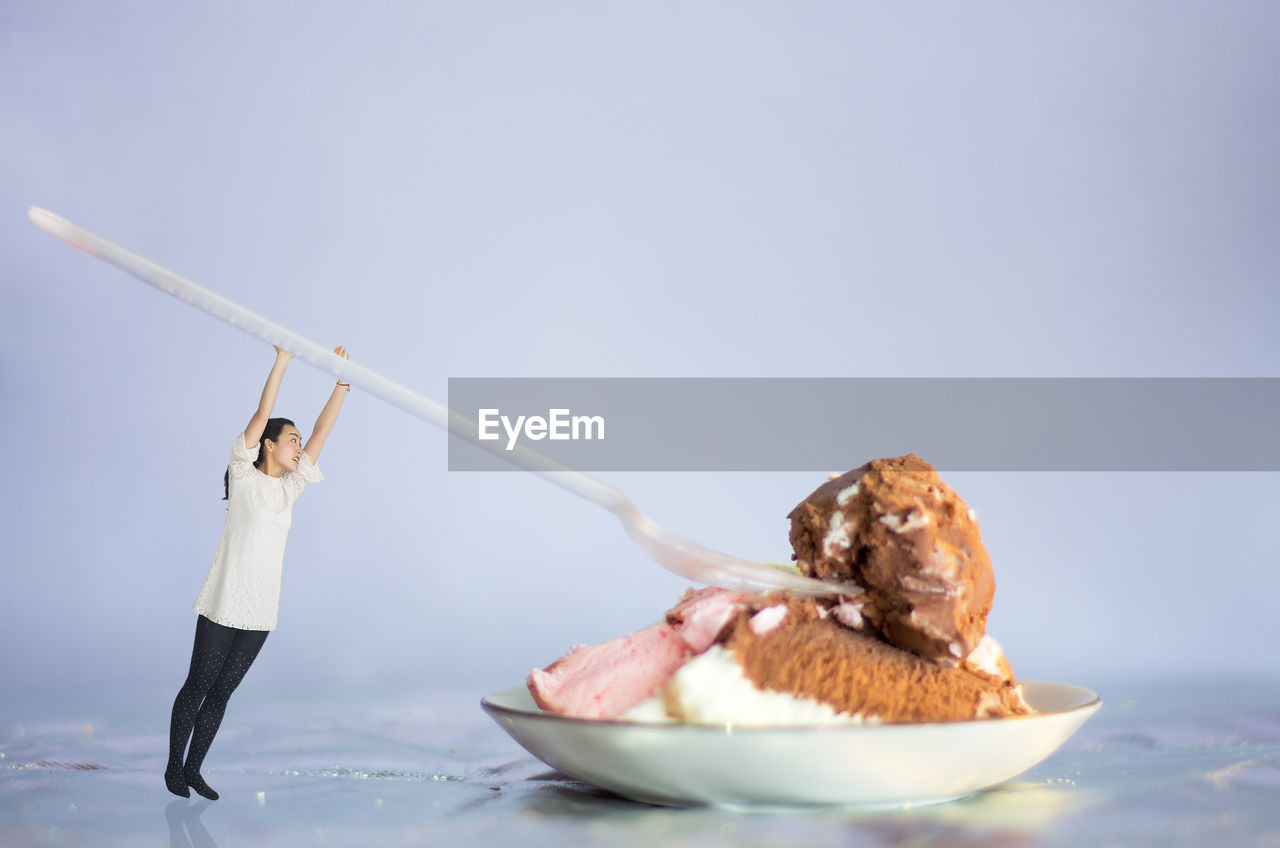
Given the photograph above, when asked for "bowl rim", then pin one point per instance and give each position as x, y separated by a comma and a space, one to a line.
1090, 701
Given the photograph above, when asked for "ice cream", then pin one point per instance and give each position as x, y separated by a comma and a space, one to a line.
897, 530
606, 680
805, 651
910, 647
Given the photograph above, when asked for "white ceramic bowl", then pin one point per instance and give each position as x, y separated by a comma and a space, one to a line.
739, 767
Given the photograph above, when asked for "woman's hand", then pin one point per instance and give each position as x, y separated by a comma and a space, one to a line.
282, 354
342, 351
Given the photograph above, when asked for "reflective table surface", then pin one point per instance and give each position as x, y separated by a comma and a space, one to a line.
1169, 762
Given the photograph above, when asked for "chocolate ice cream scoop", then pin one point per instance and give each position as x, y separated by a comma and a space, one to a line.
897, 530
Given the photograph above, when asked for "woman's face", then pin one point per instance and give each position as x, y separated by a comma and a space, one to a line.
286, 451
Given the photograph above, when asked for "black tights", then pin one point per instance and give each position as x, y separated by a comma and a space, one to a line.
219, 659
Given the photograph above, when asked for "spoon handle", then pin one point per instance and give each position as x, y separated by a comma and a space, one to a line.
368, 380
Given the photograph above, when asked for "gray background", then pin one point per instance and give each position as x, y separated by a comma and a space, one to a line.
603, 190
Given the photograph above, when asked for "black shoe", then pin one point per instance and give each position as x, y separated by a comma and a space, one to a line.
196, 782
176, 781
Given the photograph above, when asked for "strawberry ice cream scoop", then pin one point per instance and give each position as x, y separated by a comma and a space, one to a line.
606, 680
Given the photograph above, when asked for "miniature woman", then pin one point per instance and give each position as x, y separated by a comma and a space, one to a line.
241, 593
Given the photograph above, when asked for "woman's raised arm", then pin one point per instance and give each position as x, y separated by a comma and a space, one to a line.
328, 415
258, 423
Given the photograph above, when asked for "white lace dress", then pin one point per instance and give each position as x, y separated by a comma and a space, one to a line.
242, 588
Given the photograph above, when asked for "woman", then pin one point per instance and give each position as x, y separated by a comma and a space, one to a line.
240, 597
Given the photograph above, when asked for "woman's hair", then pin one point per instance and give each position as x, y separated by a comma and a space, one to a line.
272, 432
